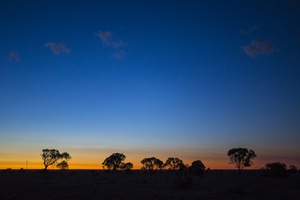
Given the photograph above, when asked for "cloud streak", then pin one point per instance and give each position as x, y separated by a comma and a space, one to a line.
105, 37
57, 48
108, 40
258, 47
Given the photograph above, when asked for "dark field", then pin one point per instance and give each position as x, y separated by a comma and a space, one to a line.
75, 184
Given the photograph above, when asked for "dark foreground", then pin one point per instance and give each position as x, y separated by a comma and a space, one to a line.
140, 185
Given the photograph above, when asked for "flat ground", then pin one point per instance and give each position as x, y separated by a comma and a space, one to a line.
89, 184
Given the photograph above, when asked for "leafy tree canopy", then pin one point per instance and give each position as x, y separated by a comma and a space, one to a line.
174, 163
63, 165
127, 166
114, 161
241, 157
152, 163
197, 167
51, 156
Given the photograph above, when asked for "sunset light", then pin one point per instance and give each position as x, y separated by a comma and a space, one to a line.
186, 79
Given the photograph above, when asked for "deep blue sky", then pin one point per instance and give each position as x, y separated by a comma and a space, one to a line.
149, 78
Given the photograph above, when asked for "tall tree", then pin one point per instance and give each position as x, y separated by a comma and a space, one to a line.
114, 161
241, 157
51, 156
174, 163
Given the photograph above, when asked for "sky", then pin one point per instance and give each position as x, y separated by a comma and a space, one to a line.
188, 79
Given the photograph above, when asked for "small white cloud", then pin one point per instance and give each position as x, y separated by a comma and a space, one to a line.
57, 48
258, 47
14, 55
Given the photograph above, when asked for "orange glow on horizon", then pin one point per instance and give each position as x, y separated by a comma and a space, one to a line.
212, 164
93, 160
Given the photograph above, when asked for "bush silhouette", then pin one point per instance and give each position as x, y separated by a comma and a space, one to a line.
293, 169
127, 167
275, 170
197, 168
63, 165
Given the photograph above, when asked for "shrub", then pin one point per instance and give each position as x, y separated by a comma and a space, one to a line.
275, 170
293, 169
197, 168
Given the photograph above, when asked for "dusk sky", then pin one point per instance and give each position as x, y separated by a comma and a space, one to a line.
188, 79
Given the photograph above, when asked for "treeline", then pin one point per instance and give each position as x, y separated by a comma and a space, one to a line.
239, 157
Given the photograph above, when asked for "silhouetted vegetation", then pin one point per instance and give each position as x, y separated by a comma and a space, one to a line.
152, 163
241, 157
174, 164
127, 166
51, 156
114, 161
197, 168
63, 165
275, 170
293, 169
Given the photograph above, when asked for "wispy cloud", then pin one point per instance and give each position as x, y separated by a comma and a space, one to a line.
57, 48
107, 38
258, 47
14, 55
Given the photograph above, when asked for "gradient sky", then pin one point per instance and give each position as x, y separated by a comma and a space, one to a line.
188, 79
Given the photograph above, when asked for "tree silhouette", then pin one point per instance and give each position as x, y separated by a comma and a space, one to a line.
174, 163
127, 166
152, 163
197, 167
241, 157
114, 161
158, 164
51, 156
275, 169
63, 165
